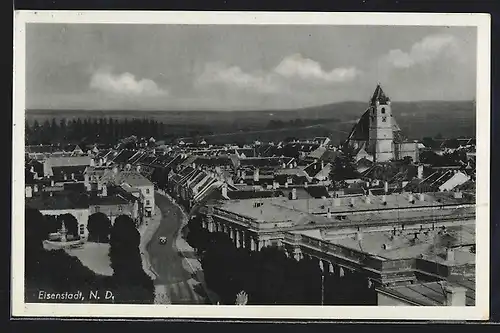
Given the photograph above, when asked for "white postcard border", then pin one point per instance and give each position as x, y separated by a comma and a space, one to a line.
478, 312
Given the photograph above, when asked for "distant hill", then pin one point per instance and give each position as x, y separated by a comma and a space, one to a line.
416, 119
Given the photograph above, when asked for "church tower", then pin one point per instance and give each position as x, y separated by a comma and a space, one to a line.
381, 135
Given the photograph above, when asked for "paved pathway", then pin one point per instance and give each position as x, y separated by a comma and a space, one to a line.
177, 282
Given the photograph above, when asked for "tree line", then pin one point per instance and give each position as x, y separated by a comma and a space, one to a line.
269, 276
278, 124
90, 130
55, 271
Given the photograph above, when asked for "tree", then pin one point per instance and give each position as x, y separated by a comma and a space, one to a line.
343, 166
63, 130
35, 230
53, 223
129, 281
28, 134
54, 131
99, 227
70, 222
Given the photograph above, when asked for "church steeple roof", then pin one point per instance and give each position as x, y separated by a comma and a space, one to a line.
379, 96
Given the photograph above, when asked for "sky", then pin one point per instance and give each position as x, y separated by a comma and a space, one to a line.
188, 67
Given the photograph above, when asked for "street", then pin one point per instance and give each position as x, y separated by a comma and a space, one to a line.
174, 274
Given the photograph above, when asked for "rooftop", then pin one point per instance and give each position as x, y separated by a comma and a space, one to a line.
393, 202
60, 200
67, 161
133, 178
267, 211
109, 200
431, 244
431, 293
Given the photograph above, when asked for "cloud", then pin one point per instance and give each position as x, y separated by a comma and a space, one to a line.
293, 69
234, 76
124, 84
427, 50
296, 66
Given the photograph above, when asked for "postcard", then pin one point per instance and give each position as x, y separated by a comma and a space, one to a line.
251, 165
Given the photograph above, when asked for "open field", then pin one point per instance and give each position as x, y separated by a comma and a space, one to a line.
416, 119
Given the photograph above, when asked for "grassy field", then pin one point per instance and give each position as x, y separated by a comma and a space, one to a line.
416, 119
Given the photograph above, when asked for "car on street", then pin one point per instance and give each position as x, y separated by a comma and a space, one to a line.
163, 240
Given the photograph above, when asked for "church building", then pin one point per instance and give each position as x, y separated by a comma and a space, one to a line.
377, 136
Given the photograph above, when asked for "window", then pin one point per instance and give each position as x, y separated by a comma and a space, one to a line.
82, 229
147, 202
120, 208
97, 209
382, 110
147, 191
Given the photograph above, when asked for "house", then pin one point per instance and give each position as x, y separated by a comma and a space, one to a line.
137, 181
64, 166
116, 202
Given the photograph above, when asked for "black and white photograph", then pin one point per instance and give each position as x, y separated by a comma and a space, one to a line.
257, 165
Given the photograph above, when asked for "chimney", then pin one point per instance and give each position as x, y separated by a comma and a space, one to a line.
289, 180
294, 194
322, 165
92, 162
284, 165
450, 254
420, 172
32, 169
72, 176
455, 295
306, 185
115, 170
457, 195
328, 213
386, 187
286, 185
294, 164
138, 168
65, 177
276, 185
101, 161
51, 182
193, 165
28, 192
410, 198
256, 175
